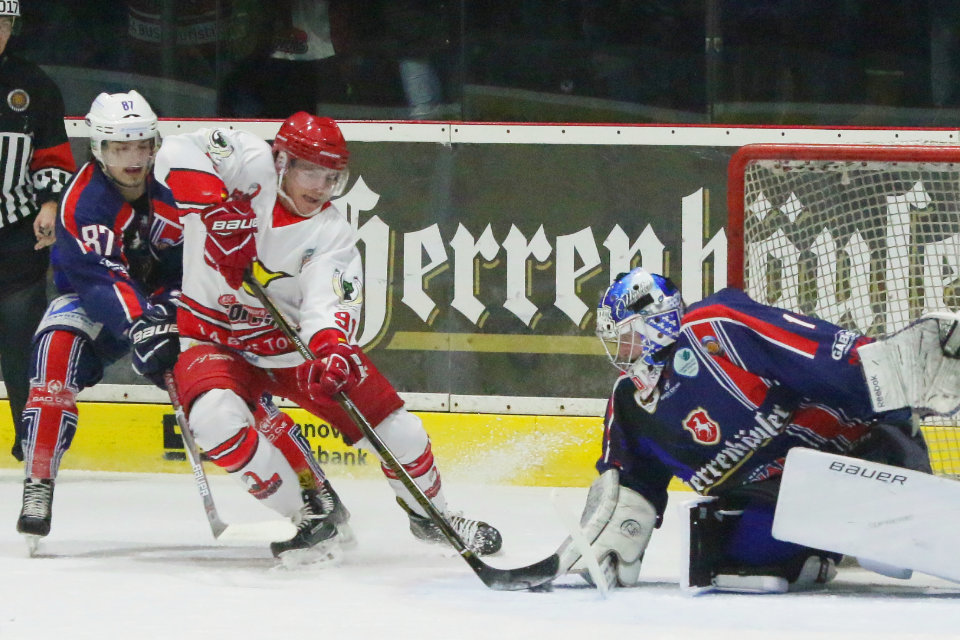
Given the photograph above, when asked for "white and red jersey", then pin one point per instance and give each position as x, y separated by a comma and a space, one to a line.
313, 267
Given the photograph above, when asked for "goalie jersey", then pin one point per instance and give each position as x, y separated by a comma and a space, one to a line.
743, 384
311, 267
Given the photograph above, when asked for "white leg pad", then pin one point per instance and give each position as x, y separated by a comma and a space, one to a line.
895, 517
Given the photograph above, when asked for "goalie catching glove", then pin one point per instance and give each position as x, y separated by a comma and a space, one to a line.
231, 243
916, 367
155, 342
617, 523
338, 366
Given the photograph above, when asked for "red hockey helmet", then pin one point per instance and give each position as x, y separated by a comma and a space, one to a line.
317, 140
311, 159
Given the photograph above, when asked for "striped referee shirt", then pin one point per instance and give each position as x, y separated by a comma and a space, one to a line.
35, 156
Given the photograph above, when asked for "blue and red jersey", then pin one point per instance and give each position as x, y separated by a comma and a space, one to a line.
744, 383
116, 255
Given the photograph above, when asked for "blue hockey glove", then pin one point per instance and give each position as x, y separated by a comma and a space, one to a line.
156, 342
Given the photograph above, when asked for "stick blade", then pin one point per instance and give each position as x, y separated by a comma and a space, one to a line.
517, 579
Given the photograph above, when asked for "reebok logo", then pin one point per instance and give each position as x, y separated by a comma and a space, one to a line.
876, 391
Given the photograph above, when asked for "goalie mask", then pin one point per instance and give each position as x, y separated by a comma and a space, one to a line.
311, 158
637, 318
123, 136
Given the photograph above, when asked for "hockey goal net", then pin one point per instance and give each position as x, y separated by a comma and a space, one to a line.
867, 237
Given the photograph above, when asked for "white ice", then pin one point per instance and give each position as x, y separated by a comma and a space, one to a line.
131, 556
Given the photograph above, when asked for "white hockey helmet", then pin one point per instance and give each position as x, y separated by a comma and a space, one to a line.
637, 318
120, 117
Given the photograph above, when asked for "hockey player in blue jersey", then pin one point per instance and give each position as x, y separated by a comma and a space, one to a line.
117, 262
716, 395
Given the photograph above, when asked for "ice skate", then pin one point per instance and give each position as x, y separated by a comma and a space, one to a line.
480, 537
318, 539
339, 514
34, 520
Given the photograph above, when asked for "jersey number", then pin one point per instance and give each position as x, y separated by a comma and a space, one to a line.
345, 322
98, 238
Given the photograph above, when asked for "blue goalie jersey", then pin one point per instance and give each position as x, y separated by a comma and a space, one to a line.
743, 384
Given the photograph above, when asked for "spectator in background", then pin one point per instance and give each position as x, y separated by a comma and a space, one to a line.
944, 21
36, 160
293, 66
420, 33
189, 40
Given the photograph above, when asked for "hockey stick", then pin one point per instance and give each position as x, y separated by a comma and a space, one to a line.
500, 579
217, 526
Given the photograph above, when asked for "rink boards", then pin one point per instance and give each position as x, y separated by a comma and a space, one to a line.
525, 450
484, 448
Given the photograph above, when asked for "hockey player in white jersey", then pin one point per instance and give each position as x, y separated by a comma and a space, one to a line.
242, 203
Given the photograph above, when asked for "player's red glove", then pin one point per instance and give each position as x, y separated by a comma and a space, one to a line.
231, 243
338, 366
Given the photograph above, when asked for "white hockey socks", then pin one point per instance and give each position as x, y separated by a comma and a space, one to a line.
404, 435
222, 423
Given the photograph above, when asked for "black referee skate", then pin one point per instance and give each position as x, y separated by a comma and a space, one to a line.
322, 516
36, 511
480, 537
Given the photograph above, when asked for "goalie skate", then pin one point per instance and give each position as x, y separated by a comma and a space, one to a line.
322, 531
480, 537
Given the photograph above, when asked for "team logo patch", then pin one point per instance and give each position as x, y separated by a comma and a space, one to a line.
18, 100
54, 387
685, 363
259, 488
711, 345
703, 429
217, 145
349, 291
842, 341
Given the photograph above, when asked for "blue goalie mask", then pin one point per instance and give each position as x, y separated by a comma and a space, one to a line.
639, 316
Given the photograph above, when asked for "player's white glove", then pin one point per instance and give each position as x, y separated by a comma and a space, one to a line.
918, 366
617, 522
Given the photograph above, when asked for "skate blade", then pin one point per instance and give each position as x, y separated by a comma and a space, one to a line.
319, 556
33, 543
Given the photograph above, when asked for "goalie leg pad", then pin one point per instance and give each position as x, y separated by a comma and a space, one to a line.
733, 550
617, 522
916, 367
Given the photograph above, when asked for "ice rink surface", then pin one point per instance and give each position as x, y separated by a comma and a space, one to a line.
131, 556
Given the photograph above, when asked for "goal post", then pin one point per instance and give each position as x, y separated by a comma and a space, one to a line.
865, 236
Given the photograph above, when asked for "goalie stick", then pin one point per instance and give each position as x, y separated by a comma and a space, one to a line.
217, 526
532, 575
